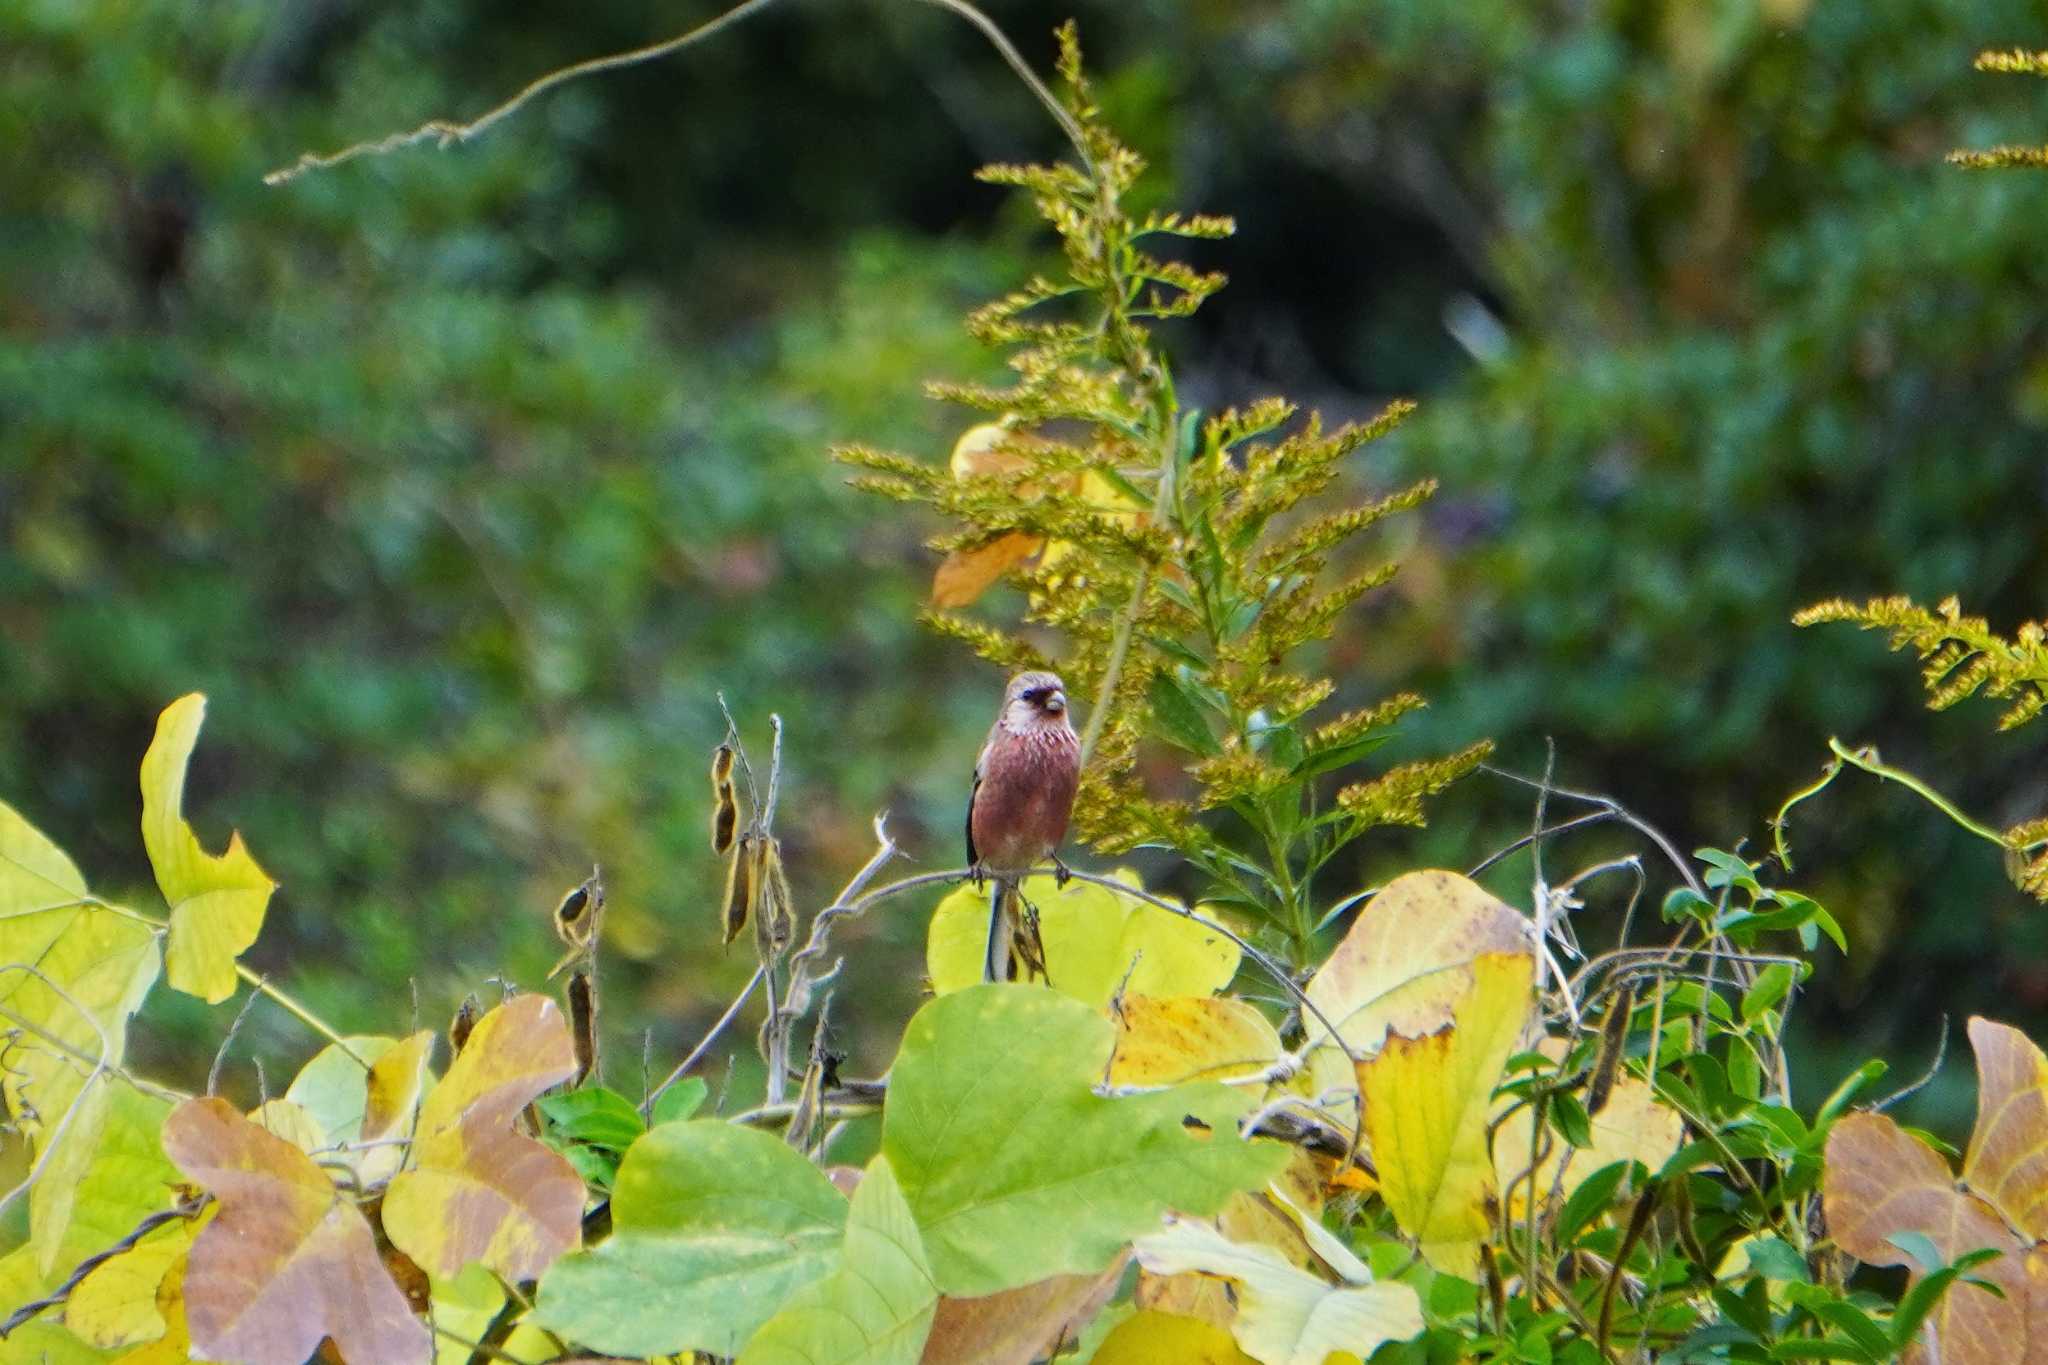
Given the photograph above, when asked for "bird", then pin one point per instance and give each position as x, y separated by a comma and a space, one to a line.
1023, 795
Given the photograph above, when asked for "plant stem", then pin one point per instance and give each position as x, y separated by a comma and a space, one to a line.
302, 1014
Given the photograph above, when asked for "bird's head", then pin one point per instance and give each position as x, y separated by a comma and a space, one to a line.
1034, 701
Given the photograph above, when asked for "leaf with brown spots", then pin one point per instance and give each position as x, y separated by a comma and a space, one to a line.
1405, 962
1882, 1181
288, 1261
1190, 1038
477, 1188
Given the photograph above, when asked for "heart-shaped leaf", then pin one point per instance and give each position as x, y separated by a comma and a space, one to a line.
288, 1260
476, 1188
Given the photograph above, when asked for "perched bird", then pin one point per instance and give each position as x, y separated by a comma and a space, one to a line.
1023, 793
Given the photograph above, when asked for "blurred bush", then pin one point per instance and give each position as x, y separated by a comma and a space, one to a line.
463, 479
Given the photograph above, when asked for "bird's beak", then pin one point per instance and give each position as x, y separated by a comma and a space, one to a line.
1056, 701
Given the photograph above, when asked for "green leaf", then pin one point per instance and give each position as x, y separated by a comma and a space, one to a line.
1591, 1199
331, 1087
217, 902
595, 1115
1845, 1317
1844, 1094
876, 1308
1824, 1348
714, 1226
1774, 1259
1569, 1117
1318, 761
1179, 719
680, 1100
1773, 983
1017, 1170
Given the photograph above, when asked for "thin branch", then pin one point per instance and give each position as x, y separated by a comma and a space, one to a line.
220, 1055
704, 1046
1620, 812
444, 132
93, 1262
302, 1014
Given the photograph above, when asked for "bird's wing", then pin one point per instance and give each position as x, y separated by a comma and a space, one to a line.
980, 762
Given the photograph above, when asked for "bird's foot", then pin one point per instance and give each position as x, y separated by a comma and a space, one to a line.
1061, 873
976, 876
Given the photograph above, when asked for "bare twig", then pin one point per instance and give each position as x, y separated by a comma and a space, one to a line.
1619, 812
704, 1045
444, 132
1926, 1077
220, 1056
93, 1262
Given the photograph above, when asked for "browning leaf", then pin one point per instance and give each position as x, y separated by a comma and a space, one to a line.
478, 1189
1881, 1181
288, 1261
965, 575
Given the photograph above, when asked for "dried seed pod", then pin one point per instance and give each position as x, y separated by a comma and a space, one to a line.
583, 1023
1613, 1038
779, 907
725, 809
739, 886
576, 917
767, 874
465, 1020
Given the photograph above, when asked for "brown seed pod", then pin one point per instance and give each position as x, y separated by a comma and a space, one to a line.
739, 886
1613, 1037
577, 916
779, 907
583, 1023
465, 1019
725, 809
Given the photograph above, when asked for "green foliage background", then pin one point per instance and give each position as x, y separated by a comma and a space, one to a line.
462, 480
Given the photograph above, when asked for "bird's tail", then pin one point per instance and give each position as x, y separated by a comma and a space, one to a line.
1002, 930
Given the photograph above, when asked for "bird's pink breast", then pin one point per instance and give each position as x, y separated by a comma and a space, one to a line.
1026, 795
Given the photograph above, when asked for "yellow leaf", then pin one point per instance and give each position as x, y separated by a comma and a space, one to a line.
1109, 501
1634, 1125
1286, 1315
282, 1118
92, 966
393, 1091
1407, 957
1154, 1338
1092, 937
119, 1302
217, 903
478, 1189
1190, 1038
1427, 1102
463, 1308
